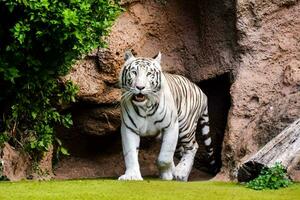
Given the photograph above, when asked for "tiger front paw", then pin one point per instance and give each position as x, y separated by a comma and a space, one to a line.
167, 175
181, 173
131, 176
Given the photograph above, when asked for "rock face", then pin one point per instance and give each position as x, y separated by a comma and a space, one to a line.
266, 92
17, 165
255, 42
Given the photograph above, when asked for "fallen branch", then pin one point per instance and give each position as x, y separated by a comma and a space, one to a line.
284, 149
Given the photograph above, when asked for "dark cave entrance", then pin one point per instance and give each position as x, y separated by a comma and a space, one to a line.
219, 101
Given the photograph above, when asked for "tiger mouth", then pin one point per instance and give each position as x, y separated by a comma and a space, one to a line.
139, 97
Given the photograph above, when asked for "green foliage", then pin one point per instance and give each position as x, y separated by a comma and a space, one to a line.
39, 40
270, 178
3, 138
61, 149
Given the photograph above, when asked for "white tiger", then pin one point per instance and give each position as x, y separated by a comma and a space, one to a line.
154, 103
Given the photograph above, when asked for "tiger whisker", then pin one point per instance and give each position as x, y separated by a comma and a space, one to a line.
126, 95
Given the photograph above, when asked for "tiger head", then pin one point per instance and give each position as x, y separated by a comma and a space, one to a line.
140, 78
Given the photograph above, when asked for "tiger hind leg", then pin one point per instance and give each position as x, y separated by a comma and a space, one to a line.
184, 167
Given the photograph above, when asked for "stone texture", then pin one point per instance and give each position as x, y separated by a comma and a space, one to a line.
99, 120
43, 171
15, 164
294, 170
97, 83
180, 33
266, 92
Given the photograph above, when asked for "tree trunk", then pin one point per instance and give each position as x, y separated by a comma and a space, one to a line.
284, 148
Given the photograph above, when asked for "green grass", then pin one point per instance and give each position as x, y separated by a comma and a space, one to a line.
149, 189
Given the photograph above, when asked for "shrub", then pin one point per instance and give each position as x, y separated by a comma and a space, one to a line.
270, 178
39, 40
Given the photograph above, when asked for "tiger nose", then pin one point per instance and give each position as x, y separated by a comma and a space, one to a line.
140, 87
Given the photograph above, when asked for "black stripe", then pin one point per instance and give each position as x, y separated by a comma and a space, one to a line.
132, 121
137, 111
186, 142
160, 120
153, 109
204, 124
184, 126
163, 105
169, 122
167, 125
134, 131
124, 76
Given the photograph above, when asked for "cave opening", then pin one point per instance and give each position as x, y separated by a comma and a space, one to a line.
219, 101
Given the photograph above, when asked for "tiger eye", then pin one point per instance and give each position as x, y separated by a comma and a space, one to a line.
133, 73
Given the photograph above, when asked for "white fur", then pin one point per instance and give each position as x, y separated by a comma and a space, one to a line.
185, 165
205, 130
207, 142
146, 127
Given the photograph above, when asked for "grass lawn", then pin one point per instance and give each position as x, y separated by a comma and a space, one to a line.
149, 189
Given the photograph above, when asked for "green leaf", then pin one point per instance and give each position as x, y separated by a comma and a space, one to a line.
70, 17
270, 178
44, 40
33, 114
58, 141
64, 151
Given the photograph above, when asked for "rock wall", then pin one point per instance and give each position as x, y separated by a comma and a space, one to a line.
16, 165
266, 92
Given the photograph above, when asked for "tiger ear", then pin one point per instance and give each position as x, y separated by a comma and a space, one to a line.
128, 55
157, 58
